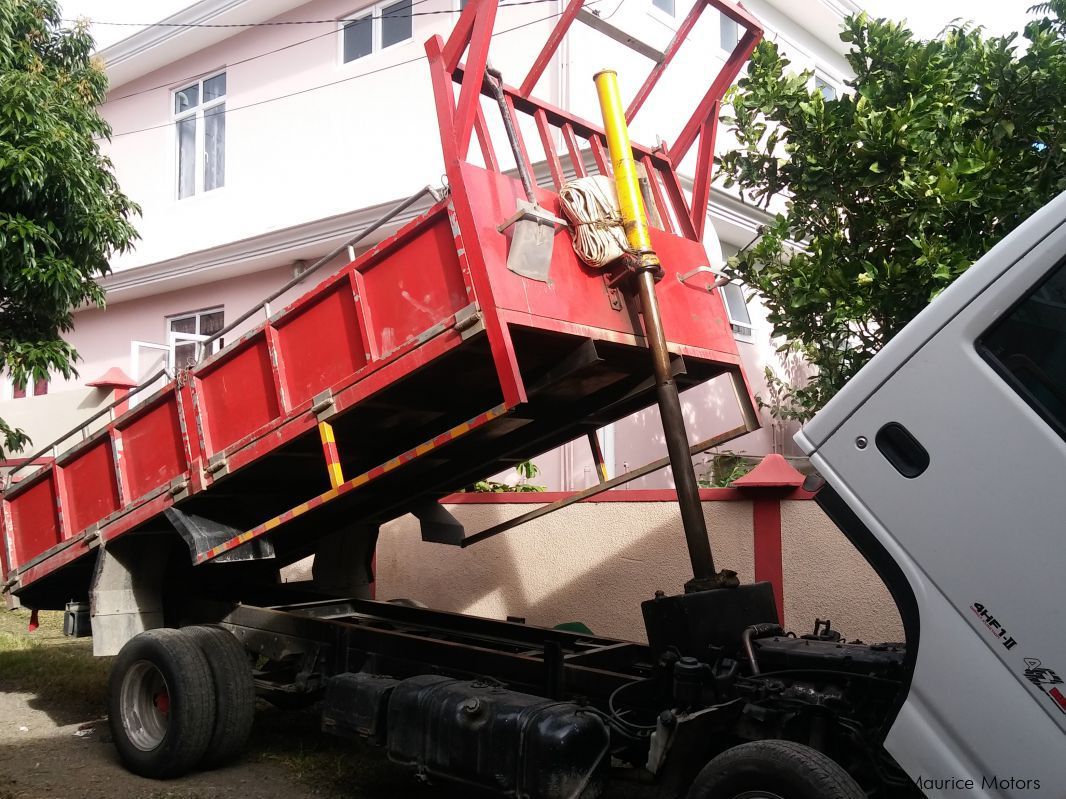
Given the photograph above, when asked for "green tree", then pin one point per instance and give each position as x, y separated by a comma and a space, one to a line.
935, 151
61, 212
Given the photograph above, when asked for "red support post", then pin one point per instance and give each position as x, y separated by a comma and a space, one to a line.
701, 186
554, 165
769, 566
484, 139
555, 38
714, 94
767, 484
599, 154
474, 75
575, 152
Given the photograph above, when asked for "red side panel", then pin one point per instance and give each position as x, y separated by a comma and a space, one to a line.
692, 315
5, 536
237, 395
35, 519
320, 344
152, 451
416, 287
92, 485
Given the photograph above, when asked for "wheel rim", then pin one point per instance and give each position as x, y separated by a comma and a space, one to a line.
757, 795
145, 705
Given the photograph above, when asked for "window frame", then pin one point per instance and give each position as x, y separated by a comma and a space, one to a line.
200, 146
172, 355
722, 19
662, 13
749, 325
374, 12
824, 77
28, 391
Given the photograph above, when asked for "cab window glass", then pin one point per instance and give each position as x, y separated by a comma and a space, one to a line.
1028, 346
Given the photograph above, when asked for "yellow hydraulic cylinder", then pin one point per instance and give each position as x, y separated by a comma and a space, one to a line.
647, 268
626, 177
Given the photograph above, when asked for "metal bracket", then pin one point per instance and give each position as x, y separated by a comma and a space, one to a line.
613, 294
719, 278
533, 213
323, 406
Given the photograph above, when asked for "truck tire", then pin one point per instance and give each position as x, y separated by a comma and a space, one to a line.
234, 693
774, 770
161, 704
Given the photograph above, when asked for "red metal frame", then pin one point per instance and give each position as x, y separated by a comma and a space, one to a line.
472, 34
389, 313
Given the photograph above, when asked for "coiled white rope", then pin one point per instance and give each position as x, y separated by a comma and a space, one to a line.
591, 205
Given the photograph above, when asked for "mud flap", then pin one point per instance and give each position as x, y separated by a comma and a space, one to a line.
201, 535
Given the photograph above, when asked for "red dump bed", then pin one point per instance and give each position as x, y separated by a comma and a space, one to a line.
419, 368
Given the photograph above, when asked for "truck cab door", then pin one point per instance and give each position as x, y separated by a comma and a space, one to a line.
950, 450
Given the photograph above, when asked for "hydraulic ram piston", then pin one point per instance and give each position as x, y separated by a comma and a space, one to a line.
647, 266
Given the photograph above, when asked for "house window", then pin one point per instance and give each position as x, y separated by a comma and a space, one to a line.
200, 132
40, 388
826, 87
736, 307
374, 29
728, 33
666, 6
185, 332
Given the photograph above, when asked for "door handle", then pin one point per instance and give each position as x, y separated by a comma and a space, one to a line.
902, 450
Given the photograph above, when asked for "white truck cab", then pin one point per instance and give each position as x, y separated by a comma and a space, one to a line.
945, 459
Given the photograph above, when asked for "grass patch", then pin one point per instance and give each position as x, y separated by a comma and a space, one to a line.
61, 671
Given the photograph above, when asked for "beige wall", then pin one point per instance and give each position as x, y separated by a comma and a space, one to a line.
596, 561
48, 416
826, 577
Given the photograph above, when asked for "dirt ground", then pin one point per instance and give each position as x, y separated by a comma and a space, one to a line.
48, 751
55, 744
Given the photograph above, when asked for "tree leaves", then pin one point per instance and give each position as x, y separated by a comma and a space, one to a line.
937, 151
62, 214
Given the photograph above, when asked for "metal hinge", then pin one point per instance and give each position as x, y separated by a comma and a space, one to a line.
92, 535
217, 466
468, 321
179, 487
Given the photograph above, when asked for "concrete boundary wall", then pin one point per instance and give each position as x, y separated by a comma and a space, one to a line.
595, 561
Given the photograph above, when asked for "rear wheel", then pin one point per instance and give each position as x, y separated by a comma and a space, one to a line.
774, 770
234, 693
161, 704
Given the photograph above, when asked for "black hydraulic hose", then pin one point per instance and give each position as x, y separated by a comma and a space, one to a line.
753, 632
